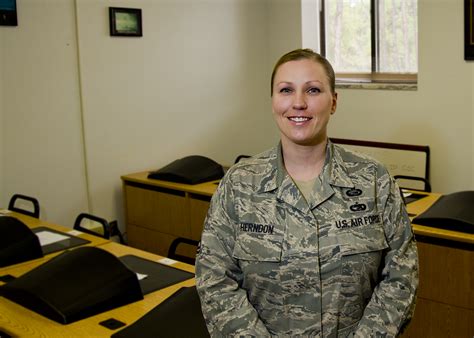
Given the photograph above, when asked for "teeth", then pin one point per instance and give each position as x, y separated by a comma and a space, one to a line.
299, 119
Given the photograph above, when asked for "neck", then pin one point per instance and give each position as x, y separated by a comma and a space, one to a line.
304, 163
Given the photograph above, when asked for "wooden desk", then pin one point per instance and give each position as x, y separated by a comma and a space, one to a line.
19, 321
157, 212
445, 299
421, 206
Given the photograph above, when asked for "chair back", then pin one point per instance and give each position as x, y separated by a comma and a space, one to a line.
401, 180
17, 199
173, 252
240, 157
93, 225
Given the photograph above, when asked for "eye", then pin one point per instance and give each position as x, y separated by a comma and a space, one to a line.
286, 90
314, 90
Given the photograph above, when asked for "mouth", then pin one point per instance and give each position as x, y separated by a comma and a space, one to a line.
299, 119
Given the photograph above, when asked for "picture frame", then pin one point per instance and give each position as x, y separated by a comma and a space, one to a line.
469, 30
125, 21
8, 15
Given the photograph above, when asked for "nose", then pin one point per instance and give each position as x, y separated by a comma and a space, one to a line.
300, 101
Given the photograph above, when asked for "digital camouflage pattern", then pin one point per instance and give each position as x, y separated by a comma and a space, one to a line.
342, 264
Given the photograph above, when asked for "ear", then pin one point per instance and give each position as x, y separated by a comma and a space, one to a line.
334, 103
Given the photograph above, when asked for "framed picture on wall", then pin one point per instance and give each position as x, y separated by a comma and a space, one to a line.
468, 30
125, 21
8, 13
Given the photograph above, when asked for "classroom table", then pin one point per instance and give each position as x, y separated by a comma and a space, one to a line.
32, 223
19, 321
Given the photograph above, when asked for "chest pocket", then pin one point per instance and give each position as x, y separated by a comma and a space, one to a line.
258, 247
362, 240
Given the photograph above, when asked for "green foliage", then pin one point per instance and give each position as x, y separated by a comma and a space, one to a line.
348, 35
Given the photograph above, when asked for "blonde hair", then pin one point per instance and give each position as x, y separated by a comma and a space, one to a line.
309, 54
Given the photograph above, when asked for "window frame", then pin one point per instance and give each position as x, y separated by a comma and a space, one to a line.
407, 81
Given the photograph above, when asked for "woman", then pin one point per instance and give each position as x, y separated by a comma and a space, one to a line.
307, 238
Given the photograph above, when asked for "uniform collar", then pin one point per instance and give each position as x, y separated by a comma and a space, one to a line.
335, 171
334, 174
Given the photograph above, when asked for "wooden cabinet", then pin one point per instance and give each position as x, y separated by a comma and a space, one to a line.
438, 320
445, 299
157, 212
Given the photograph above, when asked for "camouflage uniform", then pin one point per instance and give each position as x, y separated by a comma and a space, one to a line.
342, 264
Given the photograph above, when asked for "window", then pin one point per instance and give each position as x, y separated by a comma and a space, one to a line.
368, 40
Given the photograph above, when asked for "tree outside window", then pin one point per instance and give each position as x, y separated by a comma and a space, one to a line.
371, 40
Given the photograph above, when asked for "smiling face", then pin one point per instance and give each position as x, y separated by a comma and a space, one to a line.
302, 102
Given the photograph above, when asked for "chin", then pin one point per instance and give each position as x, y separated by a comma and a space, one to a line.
308, 141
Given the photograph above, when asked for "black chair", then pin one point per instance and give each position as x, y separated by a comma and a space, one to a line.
115, 231
172, 252
238, 158
106, 231
13, 206
426, 183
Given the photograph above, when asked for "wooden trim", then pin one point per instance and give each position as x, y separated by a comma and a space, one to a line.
376, 144
155, 188
387, 145
322, 28
377, 77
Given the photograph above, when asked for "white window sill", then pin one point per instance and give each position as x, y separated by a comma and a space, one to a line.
376, 85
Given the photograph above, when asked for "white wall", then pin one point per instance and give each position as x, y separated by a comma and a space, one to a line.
2, 176
3, 202
195, 83
284, 31
42, 153
471, 150
439, 114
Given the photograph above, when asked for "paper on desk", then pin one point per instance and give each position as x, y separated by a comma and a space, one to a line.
141, 276
75, 233
167, 261
48, 237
